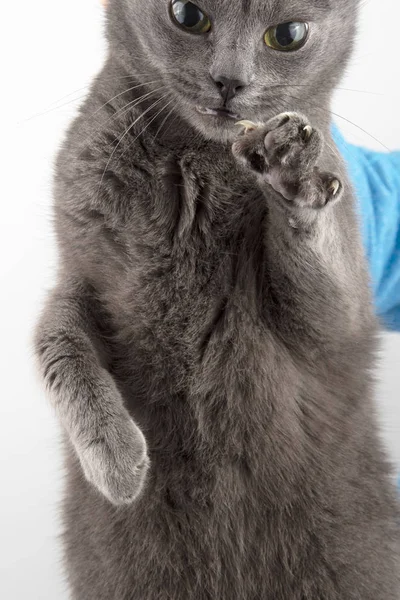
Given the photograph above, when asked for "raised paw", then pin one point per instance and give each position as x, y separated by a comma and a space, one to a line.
116, 462
283, 153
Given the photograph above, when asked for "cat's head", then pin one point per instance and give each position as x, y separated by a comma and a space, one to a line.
225, 60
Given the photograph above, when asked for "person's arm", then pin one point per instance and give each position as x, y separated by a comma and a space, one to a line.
376, 180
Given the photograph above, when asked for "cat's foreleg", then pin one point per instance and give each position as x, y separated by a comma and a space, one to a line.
110, 446
315, 266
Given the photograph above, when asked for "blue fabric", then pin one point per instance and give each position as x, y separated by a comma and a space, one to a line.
376, 180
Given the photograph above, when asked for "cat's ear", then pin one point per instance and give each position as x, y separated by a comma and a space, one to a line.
104, 3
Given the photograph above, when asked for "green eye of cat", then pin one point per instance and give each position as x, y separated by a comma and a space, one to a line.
287, 37
189, 16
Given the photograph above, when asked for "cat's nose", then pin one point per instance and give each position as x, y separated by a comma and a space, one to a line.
227, 87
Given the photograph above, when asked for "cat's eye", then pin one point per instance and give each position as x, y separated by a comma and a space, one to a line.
189, 16
287, 37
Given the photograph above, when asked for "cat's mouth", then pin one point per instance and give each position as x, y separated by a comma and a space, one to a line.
218, 112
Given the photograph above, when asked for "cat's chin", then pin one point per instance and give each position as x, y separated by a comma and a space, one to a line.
215, 125
221, 132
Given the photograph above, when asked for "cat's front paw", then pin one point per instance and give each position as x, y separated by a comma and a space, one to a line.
116, 462
283, 153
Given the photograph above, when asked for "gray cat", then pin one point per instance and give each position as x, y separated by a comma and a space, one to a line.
210, 342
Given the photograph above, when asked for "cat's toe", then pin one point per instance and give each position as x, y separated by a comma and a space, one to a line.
319, 190
283, 153
249, 149
292, 142
287, 141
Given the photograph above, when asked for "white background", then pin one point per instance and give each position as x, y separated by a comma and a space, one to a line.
48, 49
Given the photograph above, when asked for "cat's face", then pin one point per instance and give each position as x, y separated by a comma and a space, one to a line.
225, 60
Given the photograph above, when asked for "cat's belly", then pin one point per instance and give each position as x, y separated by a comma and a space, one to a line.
223, 459
221, 455
233, 507
213, 545
234, 402
241, 489
227, 544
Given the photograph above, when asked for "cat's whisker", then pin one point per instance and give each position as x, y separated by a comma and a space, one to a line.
52, 108
153, 119
332, 148
316, 107
132, 104
88, 85
124, 136
341, 89
85, 87
361, 129
126, 108
122, 93
171, 123
163, 122
173, 120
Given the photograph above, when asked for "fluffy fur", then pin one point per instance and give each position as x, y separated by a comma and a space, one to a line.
210, 341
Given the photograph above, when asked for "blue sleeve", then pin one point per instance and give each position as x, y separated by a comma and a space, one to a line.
376, 180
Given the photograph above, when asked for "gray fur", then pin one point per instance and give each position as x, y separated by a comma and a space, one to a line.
210, 342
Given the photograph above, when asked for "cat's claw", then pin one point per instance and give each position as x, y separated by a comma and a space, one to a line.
283, 153
307, 132
247, 125
334, 186
117, 463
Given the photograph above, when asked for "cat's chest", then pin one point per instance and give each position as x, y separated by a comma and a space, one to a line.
202, 248
202, 214
195, 273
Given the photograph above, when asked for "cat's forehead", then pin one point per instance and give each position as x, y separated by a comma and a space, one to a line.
268, 6
235, 13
